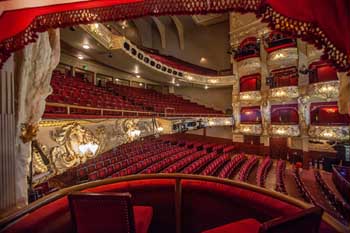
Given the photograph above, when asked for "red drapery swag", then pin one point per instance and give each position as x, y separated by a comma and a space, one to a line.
324, 23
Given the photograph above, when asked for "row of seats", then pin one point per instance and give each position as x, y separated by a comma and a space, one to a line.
215, 165
263, 169
247, 167
81, 93
158, 102
301, 187
280, 173
179, 165
130, 163
159, 166
342, 207
194, 167
232, 165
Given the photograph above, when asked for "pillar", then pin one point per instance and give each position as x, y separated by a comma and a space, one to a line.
7, 137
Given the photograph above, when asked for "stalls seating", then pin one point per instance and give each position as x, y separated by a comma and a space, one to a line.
108, 213
308, 220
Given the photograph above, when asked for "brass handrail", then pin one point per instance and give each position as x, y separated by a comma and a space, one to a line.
102, 110
177, 185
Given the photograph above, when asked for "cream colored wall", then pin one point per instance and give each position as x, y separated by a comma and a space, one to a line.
218, 132
218, 98
100, 69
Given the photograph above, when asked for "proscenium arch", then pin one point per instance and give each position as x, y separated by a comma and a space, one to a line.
31, 21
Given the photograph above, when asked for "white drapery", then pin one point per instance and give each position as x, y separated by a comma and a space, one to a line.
33, 70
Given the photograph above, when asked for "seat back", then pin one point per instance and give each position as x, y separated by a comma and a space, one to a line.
102, 212
308, 220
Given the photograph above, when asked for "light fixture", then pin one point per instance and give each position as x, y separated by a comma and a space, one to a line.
177, 84
203, 60
89, 147
140, 84
189, 77
117, 79
138, 76
206, 87
173, 81
160, 129
134, 133
86, 46
80, 57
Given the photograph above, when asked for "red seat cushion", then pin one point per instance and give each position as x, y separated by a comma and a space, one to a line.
244, 226
142, 217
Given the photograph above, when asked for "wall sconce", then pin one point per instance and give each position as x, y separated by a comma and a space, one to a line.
134, 133
160, 129
89, 147
281, 131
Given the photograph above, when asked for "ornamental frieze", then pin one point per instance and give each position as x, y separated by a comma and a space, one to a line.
251, 129
337, 133
285, 130
324, 90
289, 92
250, 96
282, 58
249, 66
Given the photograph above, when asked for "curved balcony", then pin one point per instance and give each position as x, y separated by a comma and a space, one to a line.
324, 90
250, 129
250, 96
285, 57
171, 69
285, 130
337, 133
290, 92
249, 66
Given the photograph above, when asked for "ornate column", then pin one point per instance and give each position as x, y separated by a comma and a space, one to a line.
7, 137
236, 106
265, 103
344, 93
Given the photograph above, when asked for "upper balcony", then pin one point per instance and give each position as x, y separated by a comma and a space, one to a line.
277, 40
248, 48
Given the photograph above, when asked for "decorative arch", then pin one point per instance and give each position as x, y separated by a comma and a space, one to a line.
161, 30
328, 29
180, 31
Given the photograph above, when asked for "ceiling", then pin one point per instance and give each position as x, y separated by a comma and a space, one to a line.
198, 42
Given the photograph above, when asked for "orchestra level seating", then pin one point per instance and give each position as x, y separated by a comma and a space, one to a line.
194, 154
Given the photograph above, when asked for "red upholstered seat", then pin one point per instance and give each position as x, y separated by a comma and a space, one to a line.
244, 226
305, 221
108, 213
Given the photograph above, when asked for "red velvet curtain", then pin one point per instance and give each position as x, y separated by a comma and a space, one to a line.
251, 115
333, 17
250, 83
327, 114
284, 114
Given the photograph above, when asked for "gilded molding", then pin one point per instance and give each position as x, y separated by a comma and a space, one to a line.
285, 130
250, 129
250, 96
338, 133
282, 58
324, 90
289, 92
249, 66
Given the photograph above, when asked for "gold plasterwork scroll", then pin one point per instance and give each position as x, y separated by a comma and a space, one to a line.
76, 145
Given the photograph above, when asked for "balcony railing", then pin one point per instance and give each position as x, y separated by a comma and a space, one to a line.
101, 112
